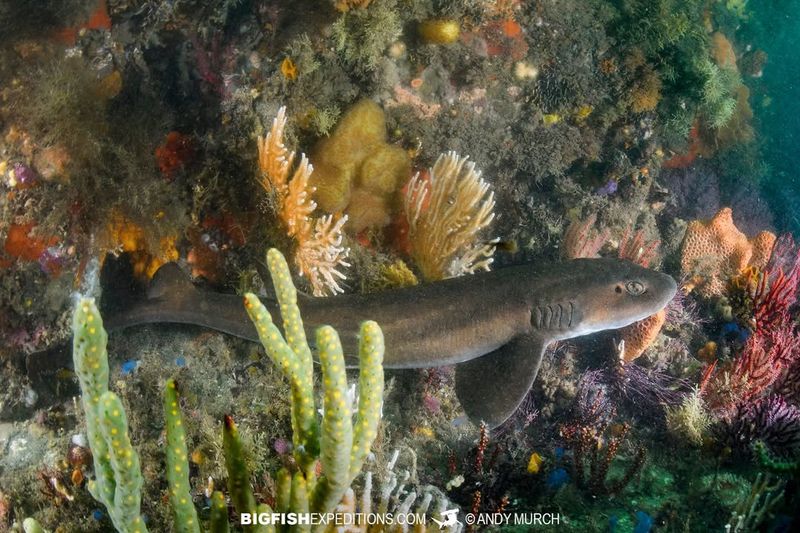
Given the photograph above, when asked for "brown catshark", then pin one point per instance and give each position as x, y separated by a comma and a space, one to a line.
495, 326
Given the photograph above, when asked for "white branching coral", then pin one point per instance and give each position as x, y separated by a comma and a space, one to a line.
398, 492
446, 212
319, 255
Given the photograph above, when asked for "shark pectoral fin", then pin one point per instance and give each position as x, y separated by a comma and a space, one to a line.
490, 388
168, 279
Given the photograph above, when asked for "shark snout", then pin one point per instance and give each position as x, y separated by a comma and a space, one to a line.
665, 287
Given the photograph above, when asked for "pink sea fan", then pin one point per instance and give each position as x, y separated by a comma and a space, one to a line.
770, 420
776, 291
635, 247
581, 239
788, 384
765, 357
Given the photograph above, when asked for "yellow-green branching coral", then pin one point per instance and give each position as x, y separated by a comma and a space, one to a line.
341, 445
118, 482
344, 443
183, 511
370, 388
91, 366
299, 498
242, 496
344, 447
124, 461
292, 355
337, 423
218, 522
264, 509
283, 491
238, 475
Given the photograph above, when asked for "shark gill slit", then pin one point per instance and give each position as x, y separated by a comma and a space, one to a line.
553, 316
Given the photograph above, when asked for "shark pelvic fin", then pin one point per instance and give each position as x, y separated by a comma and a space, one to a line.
490, 388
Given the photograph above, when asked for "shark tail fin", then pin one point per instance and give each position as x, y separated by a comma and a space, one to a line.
490, 388
120, 288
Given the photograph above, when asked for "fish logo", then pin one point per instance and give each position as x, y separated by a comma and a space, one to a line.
449, 519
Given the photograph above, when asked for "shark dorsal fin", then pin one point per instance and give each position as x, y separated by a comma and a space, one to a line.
169, 278
490, 388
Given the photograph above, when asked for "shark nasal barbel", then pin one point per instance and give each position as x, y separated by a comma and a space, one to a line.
494, 326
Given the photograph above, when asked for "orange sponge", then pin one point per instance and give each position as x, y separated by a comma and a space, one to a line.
716, 250
356, 171
639, 335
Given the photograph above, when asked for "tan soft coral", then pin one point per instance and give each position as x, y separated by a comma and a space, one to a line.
715, 250
645, 88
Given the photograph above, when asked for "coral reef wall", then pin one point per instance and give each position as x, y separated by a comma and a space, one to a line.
442, 138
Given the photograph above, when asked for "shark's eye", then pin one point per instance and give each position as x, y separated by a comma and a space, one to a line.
634, 288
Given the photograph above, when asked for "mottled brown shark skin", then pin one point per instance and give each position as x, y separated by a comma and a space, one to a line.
494, 325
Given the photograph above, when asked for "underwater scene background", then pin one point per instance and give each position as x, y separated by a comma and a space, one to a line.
163, 162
